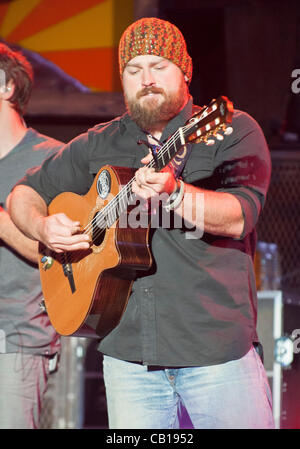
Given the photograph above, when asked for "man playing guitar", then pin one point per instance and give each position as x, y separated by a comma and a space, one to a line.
187, 332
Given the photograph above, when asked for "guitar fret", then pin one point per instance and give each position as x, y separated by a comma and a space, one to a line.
178, 142
160, 159
173, 147
168, 148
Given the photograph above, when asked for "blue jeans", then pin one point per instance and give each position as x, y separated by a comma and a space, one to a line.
233, 395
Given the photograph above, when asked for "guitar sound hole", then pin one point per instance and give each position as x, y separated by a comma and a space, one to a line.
98, 231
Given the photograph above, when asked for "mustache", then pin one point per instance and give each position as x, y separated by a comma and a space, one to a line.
149, 90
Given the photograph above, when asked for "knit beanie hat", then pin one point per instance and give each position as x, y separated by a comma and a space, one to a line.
152, 36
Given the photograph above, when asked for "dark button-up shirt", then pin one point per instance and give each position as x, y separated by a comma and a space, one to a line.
197, 304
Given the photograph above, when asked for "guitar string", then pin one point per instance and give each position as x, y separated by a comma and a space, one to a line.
111, 206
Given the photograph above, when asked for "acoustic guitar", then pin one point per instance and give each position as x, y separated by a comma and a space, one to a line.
86, 292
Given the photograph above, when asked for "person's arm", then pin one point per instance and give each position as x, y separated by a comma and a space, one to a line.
29, 213
15, 239
221, 215
242, 168
65, 171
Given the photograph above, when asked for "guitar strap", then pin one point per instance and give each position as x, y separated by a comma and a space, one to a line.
178, 162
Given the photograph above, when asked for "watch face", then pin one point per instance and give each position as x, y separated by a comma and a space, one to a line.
104, 184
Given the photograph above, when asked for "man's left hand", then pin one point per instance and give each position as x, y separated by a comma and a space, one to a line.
148, 183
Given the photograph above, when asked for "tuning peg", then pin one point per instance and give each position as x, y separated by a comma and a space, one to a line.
219, 136
228, 130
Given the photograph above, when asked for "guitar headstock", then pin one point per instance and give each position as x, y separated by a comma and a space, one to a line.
211, 122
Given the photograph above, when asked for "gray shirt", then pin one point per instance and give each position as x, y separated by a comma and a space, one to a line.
23, 325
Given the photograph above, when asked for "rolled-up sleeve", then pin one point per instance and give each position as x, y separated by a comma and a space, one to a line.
66, 171
243, 167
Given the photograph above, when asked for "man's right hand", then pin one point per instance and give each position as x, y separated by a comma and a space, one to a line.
60, 233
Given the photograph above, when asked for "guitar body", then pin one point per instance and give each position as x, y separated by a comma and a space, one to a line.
86, 292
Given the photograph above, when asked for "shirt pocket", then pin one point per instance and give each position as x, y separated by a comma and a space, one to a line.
200, 164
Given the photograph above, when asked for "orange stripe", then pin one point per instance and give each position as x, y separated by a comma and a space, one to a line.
48, 13
94, 67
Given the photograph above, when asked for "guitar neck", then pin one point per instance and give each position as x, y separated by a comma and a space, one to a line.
167, 151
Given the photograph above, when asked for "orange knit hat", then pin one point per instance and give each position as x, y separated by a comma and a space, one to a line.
152, 36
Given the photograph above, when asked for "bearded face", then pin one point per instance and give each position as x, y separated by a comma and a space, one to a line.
154, 89
152, 110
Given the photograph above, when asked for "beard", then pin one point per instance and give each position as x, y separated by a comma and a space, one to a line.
152, 111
